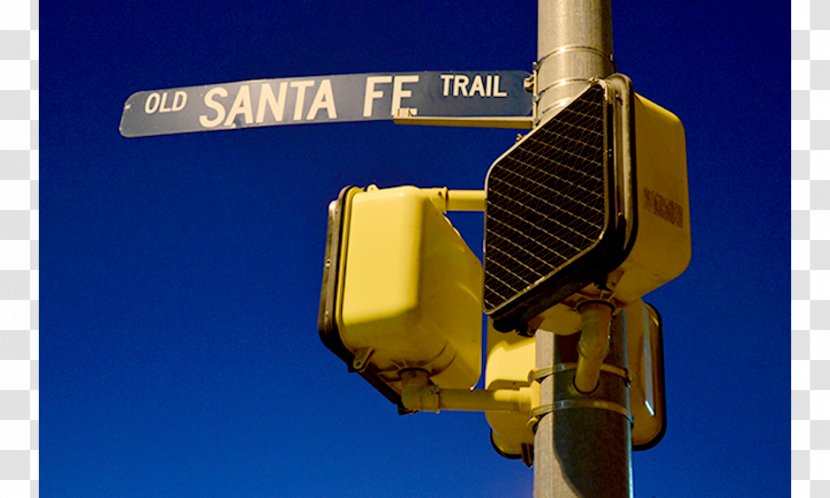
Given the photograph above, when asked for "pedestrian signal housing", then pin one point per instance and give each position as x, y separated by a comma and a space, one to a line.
401, 289
591, 204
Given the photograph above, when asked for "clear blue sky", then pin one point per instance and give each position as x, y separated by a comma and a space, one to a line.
181, 274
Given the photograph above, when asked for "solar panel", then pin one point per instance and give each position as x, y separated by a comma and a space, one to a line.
549, 209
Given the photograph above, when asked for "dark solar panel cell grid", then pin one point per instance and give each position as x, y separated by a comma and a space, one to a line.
546, 200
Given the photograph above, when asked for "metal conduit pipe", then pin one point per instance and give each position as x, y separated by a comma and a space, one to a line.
417, 394
446, 200
466, 200
594, 343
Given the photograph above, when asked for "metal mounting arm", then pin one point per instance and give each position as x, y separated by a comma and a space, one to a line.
419, 395
445, 199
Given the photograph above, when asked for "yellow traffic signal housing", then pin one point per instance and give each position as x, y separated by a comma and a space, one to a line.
510, 359
591, 204
401, 289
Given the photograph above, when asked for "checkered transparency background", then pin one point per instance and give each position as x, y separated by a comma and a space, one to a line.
811, 248
19, 392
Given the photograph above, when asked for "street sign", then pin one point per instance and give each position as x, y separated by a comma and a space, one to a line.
325, 99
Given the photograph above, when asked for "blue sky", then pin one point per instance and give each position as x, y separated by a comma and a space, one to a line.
181, 274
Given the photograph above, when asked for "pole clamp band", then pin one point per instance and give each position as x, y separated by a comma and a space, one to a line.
569, 404
541, 373
577, 48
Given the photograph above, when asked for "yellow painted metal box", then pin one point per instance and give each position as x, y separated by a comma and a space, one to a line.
510, 359
402, 290
593, 204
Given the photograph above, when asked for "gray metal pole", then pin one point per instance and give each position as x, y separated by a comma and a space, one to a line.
582, 447
574, 45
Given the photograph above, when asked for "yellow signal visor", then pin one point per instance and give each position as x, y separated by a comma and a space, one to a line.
644, 335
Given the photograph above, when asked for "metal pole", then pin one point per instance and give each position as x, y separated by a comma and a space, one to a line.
582, 447
574, 45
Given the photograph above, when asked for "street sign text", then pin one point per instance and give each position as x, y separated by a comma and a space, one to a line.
322, 99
